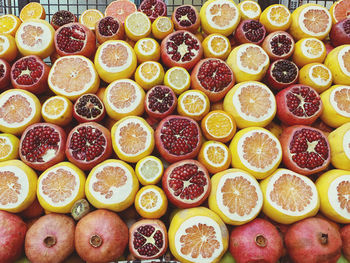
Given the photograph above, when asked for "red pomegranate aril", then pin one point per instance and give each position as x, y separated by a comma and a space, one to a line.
5, 70
186, 17
109, 28
278, 45
250, 31
87, 108
61, 18
281, 74
153, 8
160, 101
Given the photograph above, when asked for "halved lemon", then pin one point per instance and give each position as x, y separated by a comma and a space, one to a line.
161, 27
216, 46
8, 48
32, 10
309, 50
137, 26
149, 74
178, 79
9, 145
215, 156
112, 185
338, 61
57, 110
9, 24
90, 17
317, 76
147, 49
339, 142
276, 18
249, 9
194, 104
149, 170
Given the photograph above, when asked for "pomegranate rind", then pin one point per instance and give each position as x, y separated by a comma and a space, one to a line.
214, 167
339, 141
217, 202
119, 197
279, 214
335, 61
9, 51
12, 142
193, 219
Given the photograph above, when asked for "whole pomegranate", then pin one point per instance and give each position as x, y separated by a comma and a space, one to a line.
340, 33
345, 235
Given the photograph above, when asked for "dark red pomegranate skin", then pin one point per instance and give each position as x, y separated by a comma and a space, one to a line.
109, 28
186, 17
345, 235
33, 211
160, 101
12, 234
250, 31
255, 242
340, 33
153, 8
88, 107
101, 236
5, 70
278, 45
281, 74
61, 18
313, 240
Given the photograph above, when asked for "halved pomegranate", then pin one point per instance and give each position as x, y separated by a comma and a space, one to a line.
148, 239
61, 18
305, 150
250, 31
186, 183
75, 39
178, 138
109, 28
30, 73
281, 74
186, 17
89, 107
160, 101
340, 33
181, 48
298, 104
88, 144
5, 70
153, 8
42, 145
278, 45
214, 77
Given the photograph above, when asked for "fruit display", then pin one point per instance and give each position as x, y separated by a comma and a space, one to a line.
186, 133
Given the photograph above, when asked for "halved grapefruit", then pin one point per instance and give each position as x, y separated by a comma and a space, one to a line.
338, 61
120, 9
9, 145
340, 10
339, 142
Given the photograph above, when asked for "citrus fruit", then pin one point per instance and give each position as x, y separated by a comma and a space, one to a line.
178, 79
133, 139
73, 76
57, 110
149, 170
215, 156
32, 10
257, 151
9, 24
149, 74
9, 145
18, 110
218, 125
216, 46
276, 18
18, 184
197, 235
249, 10
112, 185
194, 104
289, 197
309, 50
8, 48
60, 186
336, 105
310, 20
123, 98
35, 37
317, 76
147, 49
161, 27
248, 62
115, 59
120, 9
235, 196
334, 189
340, 10
219, 16
137, 26
339, 142
251, 103
151, 202
338, 61
90, 17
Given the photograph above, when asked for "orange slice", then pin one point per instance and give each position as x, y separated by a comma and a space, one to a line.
137, 26
120, 9
339, 142
276, 18
309, 50
194, 104
149, 74
215, 156
317, 76
57, 110
289, 197
249, 10
8, 48
9, 145
133, 139
112, 185
90, 17
340, 10
161, 27
338, 61
147, 49
178, 79
9, 24
32, 10
149, 170
216, 46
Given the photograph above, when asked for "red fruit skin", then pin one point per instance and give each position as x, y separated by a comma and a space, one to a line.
266, 45
102, 38
158, 115
303, 242
338, 35
33, 211
345, 235
240, 37
244, 248
328, 45
5, 80
110, 228
193, 28
12, 234
271, 81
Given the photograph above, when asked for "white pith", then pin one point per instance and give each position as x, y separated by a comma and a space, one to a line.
250, 13
320, 81
304, 48
124, 67
229, 119
243, 49
5, 45
209, 17
346, 144
335, 104
206, 157
273, 22
58, 114
146, 21
198, 95
341, 60
147, 159
302, 25
7, 142
155, 76
143, 52
211, 49
159, 202
46, 37
170, 71
333, 195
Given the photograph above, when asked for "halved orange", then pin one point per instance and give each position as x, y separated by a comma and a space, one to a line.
149, 170
216, 46
249, 9
9, 24
57, 110
120, 9
276, 18
178, 79
8, 47
194, 104
147, 49
137, 26
32, 10
161, 27
90, 17
317, 76
9, 145
338, 61
309, 50
215, 156
340, 10
149, 74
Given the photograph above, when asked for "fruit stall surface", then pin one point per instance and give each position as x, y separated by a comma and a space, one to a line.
175, 131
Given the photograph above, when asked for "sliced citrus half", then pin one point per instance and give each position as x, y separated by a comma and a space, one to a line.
149, 170
18, 110
149, 74
120, 9
340, 10
115, 59
73, 76
112, 185
317, 76
289, 197
338, 61
57, 110
35, 37
309, 50
133, 139
60, 186
147, 49
257, 151
276, 18
8, 48
339, 142
137, 26
161, 27
178, 79
216, 46
123, 98
151, 202
249, 9
9, 145
251, 103
90, 17
215, 156
9, 24
32, 10
194, 104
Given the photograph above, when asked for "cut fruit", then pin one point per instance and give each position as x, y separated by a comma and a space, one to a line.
133, 139
339, 142
112, 185
251, 103
9, 145
215, 156
149, 74
289, 197
123, 98
249, 10
18, 184
120, 9
257, 151
317, 76
9, 24
90, 17
32, 10
18, 110
137, 26
178, 79
73, 76
161, 27
338, 61
115, 59
149, 170
151, 202
194, 104
235, 196
340, 10
57, 110
8, 48
276, 18
147, 49
60, 186
216, 46
309, 50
